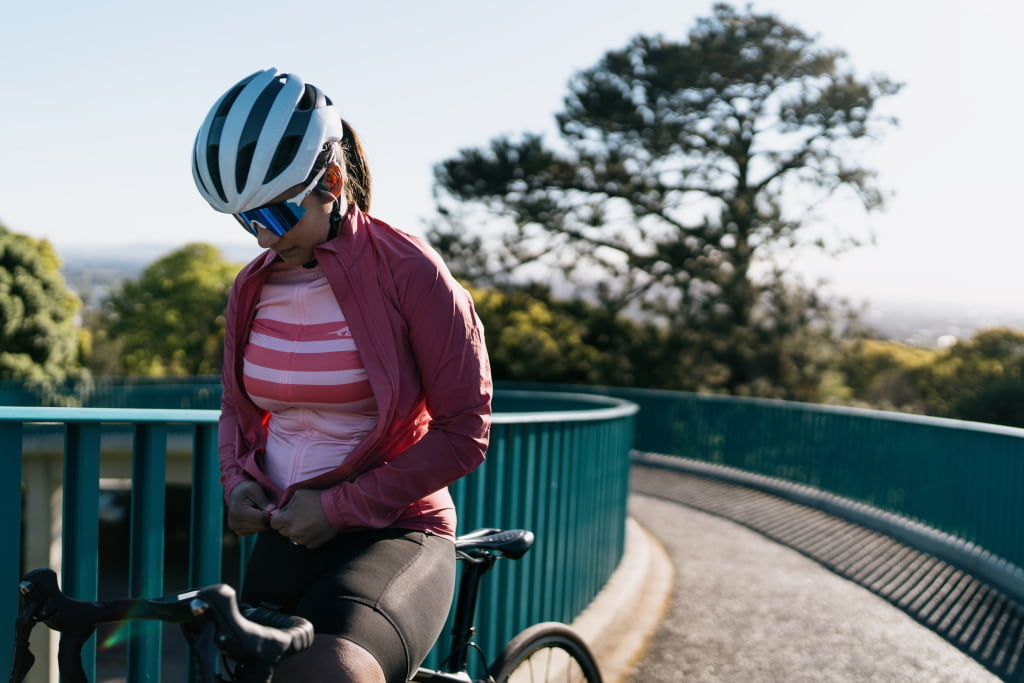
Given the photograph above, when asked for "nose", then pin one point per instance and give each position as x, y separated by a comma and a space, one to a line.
265, 238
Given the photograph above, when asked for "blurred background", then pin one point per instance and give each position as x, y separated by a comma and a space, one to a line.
880, 270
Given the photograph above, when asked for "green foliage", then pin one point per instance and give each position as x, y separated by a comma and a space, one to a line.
887, 375
665, 196
979, 379
534, 337
528, 339
39, 342
171, 320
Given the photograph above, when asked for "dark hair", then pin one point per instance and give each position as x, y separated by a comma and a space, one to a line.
358, 184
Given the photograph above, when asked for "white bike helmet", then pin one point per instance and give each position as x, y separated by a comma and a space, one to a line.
262, 137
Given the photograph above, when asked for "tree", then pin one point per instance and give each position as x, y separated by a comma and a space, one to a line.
39, 341
534, 337
685, 169
171, 320
979, 379
529, 340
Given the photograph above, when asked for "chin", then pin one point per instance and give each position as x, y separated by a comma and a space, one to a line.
295, 257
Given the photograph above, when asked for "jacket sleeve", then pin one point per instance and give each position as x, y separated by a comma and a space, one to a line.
450, 355
231, 472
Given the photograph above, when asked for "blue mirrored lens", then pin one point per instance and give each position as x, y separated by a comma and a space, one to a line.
277, 218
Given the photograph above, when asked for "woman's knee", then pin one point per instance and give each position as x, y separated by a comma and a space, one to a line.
331, 659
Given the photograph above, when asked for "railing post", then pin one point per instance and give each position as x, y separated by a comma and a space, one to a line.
10, 512
80, 530
207, 510
146, 568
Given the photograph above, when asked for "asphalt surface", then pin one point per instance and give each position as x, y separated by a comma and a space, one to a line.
740, 606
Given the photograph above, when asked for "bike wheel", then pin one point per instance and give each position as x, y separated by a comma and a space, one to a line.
546, 652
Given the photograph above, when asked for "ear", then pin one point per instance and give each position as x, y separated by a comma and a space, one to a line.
333, 181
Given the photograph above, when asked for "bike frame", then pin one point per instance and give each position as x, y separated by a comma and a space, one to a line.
455, 665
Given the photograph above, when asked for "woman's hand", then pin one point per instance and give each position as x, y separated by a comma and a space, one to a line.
247, 509
303, 520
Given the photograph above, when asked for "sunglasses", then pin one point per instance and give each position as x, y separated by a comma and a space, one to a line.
277, 218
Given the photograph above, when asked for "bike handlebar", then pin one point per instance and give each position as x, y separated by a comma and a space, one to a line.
259, 637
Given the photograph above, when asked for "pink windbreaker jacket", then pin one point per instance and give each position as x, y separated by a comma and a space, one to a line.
423, 346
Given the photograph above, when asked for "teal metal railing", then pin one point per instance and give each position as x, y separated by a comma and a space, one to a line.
964, 480
78, 435
166, 393
558, 464
950, 487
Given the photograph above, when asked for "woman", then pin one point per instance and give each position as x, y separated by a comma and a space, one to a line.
356, 388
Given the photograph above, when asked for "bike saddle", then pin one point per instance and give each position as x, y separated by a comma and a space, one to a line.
512, 543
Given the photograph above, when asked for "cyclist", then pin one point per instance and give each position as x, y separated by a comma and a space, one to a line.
356, 387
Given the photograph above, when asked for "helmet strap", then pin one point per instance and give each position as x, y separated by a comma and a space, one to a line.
335, 228
333, 231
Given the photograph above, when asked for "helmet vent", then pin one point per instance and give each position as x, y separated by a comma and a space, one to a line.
230, 97
309, 98
254, 125
283, 156
211, 155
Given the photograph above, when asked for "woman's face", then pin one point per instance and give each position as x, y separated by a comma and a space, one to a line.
296, 246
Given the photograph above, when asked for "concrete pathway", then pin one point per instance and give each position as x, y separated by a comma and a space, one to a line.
735, 605
743, 608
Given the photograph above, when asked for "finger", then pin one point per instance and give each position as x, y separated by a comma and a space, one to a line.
244, 529
256, 500
246, 491
252, 515
242, 515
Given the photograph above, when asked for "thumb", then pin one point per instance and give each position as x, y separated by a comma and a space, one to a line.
278, 517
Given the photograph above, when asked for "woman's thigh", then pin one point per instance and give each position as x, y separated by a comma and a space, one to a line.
388, 591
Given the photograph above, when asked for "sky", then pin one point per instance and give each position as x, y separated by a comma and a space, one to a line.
101, 102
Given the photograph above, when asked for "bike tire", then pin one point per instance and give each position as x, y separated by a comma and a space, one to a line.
548, 652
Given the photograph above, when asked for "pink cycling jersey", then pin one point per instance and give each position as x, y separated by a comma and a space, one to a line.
302, 366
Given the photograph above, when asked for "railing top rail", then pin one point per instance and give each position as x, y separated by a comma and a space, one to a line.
867, 413
107, 415
604, 407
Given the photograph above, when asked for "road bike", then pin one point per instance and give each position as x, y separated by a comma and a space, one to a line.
232, 642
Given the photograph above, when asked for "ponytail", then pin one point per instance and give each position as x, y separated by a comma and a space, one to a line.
357, 170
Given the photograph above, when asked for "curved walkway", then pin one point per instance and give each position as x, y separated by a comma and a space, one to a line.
766, 590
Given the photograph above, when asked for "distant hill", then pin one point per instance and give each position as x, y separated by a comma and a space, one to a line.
935, 324
93, 272
142, 252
